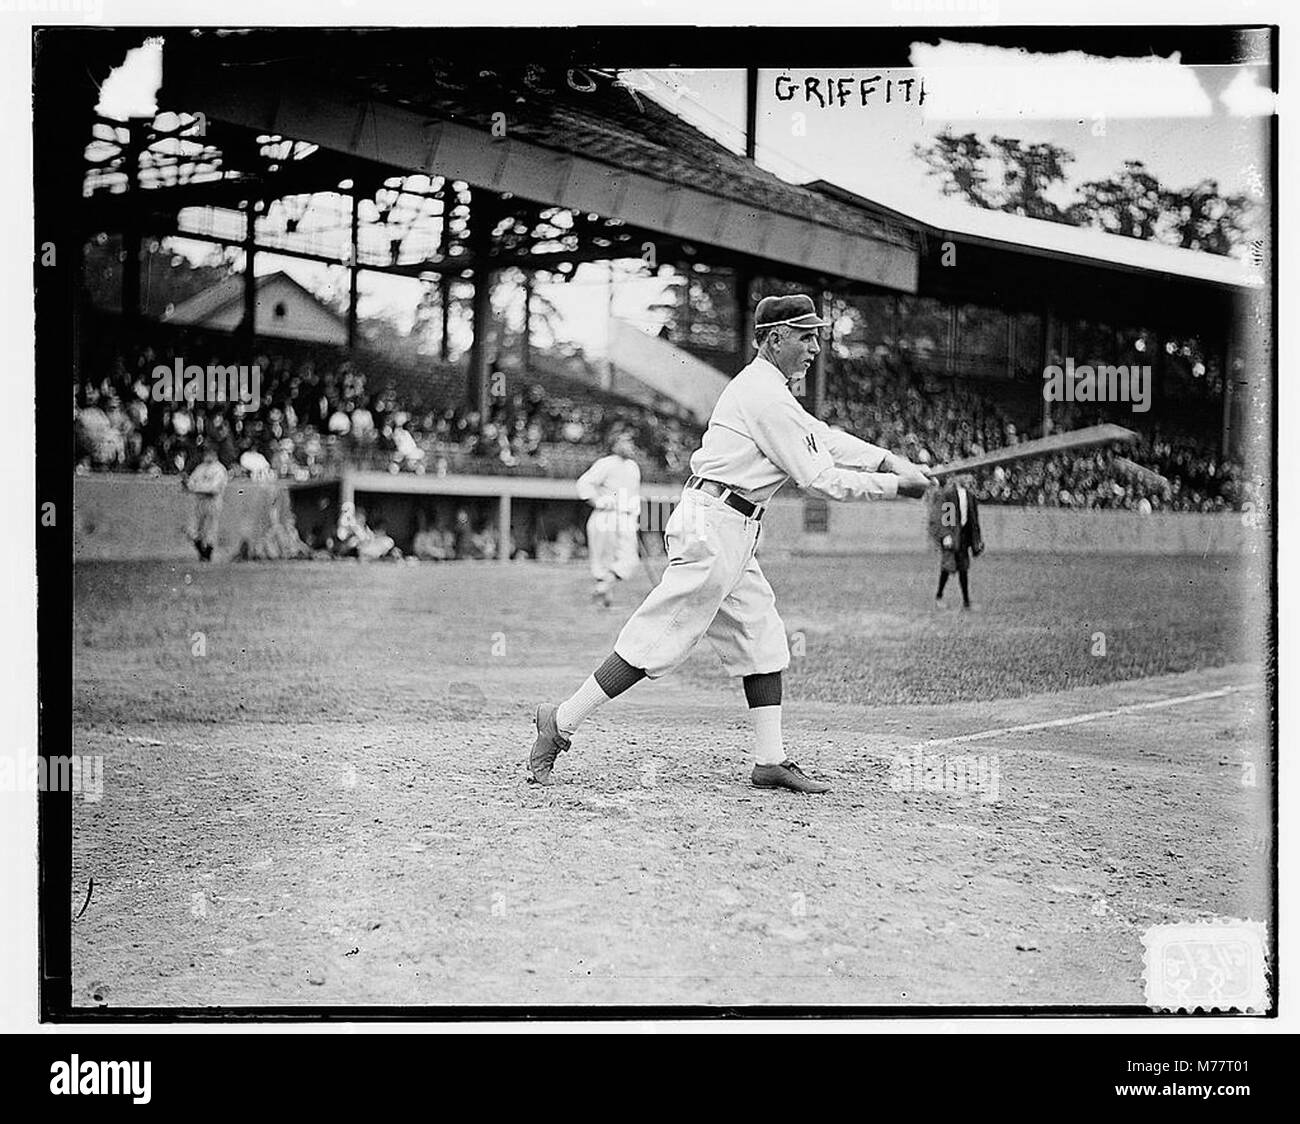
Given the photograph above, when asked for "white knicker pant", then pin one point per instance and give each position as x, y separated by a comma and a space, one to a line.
611, 545
712, 587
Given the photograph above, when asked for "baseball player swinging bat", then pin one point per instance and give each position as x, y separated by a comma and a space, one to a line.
758, 438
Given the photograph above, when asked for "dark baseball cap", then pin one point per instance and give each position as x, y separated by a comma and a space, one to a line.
797, 311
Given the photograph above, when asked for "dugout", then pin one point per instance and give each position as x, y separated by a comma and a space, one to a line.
526, 510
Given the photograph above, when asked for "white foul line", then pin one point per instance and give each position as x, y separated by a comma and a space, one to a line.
1158, 704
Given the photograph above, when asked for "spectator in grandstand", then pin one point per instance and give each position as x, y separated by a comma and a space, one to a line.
130, 424
256, 465
407, 454
495, 444
362, 424
97, 439
216, 431
340, 424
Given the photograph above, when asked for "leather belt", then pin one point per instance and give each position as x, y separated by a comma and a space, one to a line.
727, 496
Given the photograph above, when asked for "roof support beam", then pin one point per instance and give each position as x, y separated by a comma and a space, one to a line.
248, 325
131, 230
751, 112
484, 211
354, 272
403, 138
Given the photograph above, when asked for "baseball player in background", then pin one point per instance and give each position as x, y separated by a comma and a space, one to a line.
207, 483
758, 437
613, 488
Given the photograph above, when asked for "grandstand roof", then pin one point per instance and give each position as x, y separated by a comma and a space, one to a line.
1039, 237
584, 140
574, 138
609, 123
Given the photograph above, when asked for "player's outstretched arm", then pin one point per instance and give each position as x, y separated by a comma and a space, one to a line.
801, 446
847, 485
848, 451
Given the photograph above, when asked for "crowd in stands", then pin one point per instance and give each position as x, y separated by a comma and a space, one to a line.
317, 414
1197, 480
936, 424
321, 411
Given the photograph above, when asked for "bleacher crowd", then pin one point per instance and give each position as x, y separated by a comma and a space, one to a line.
896, 409
320, 410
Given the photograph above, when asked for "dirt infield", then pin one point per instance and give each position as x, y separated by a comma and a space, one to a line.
314, 790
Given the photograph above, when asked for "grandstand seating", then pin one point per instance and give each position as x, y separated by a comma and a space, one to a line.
322, 409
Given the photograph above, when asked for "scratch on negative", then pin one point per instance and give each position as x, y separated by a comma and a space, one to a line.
89, 890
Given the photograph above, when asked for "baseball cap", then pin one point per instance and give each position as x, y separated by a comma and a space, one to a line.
798, 311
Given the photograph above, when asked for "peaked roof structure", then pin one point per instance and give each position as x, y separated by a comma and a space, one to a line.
229, 292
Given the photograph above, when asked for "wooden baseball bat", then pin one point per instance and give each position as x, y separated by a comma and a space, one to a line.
1147, 476
1042, 447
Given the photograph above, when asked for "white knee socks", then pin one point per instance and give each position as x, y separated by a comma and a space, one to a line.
579, 706
769, 749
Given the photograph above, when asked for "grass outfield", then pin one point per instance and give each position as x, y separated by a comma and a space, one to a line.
314, 788
285, 642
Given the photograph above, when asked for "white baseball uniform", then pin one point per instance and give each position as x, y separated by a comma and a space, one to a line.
758, 437
207, 482
613, 486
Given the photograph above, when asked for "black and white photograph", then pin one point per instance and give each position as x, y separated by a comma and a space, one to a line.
667, 519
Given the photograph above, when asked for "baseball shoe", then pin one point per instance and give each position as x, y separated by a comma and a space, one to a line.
550, 744
786, 775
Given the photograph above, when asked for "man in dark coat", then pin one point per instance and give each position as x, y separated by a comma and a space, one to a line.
955, 528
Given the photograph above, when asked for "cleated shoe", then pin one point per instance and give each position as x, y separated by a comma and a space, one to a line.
786, 775
550, 743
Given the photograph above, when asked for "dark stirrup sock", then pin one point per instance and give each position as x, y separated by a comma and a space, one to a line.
763, 690
616, 675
